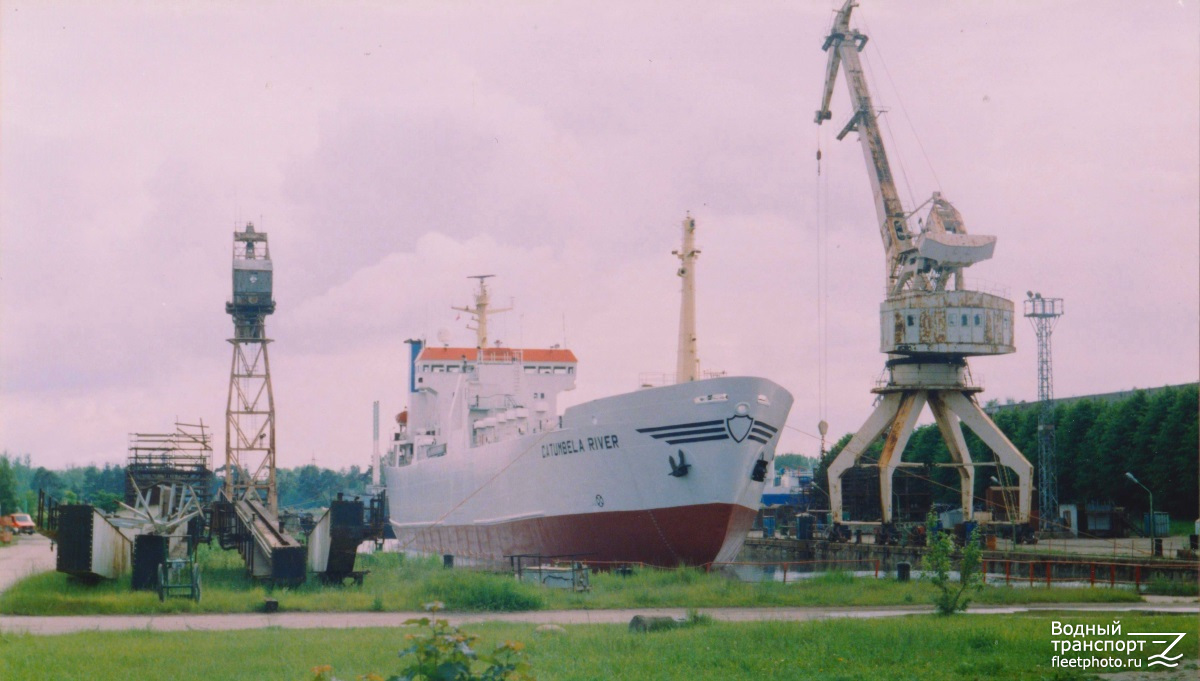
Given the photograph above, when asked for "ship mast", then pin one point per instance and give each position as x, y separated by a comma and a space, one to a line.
480, 312
688, 363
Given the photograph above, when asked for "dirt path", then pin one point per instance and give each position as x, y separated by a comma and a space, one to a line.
339, 620
30, 555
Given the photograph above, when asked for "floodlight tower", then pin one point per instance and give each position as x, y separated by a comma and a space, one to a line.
250, 413
1043, 313
930, 322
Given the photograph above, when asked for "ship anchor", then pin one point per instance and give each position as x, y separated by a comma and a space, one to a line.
679, 470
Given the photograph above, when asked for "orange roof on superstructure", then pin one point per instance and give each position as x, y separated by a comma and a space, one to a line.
498, 354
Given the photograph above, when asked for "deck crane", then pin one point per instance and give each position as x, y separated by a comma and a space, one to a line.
930, 322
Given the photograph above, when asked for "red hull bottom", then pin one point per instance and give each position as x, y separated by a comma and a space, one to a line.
691, 535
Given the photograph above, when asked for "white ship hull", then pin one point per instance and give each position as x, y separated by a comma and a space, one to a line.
600, 487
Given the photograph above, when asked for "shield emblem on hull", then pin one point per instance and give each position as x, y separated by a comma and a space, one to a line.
739, 427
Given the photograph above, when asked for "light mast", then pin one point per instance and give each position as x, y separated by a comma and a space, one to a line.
480, 312
688, 366
1043, 313
929, 322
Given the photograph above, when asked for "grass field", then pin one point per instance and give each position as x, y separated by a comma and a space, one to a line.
926, 648
1182, 528
399, 583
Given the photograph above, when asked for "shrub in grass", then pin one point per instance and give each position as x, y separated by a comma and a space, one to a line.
465, 590
951, 598
444, 653
835, 577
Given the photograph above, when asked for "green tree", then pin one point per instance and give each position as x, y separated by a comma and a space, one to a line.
8, 487
1119, 452
1175, 460
938, 560
1073, 424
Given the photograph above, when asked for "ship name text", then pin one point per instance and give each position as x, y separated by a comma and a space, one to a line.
580, 445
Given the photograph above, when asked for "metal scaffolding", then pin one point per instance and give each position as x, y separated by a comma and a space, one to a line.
183, 457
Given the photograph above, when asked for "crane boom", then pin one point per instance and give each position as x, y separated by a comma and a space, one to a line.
923, 262
843, 45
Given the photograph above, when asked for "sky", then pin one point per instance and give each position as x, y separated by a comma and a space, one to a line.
391, 150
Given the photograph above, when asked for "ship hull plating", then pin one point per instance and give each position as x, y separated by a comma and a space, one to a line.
663, 476
684, 535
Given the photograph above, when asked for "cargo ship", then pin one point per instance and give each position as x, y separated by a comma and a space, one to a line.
483, 468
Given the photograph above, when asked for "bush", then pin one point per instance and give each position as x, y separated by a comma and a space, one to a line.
444, 653
464, 590
949, 598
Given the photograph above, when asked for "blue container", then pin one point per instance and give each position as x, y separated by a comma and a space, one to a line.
1162, 524
768, 527
969, 527
804, 527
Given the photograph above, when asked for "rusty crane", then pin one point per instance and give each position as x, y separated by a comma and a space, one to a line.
930, 321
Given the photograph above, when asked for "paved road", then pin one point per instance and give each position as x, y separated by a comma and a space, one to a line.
30, 555
302, 620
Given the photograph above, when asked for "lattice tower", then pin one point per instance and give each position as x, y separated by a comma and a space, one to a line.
250, 413
1043, 313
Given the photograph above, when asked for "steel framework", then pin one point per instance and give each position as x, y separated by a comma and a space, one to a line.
250, 411
183, 457
1043, 313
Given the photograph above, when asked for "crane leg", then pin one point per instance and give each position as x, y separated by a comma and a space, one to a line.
903, 423
951, 430
1008, 455
877, 422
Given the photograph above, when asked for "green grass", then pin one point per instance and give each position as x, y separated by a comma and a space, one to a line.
1172, 587
693, 588
959, 648
399, 583
396, 583
1182, 527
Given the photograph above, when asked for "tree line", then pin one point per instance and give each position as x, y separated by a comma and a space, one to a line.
305, 487
1152, 434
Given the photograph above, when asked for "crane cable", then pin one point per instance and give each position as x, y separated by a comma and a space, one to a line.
886, 127
900, 101
821, 190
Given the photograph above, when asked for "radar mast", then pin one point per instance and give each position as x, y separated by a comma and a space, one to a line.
482, 309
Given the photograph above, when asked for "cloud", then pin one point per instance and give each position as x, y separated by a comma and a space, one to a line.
392, 150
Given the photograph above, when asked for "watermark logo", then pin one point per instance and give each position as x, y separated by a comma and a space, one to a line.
1140, 648
1164, 660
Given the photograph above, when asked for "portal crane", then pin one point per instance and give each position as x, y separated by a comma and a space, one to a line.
929, 321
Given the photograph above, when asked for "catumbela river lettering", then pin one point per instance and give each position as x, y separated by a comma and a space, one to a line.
579, 445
